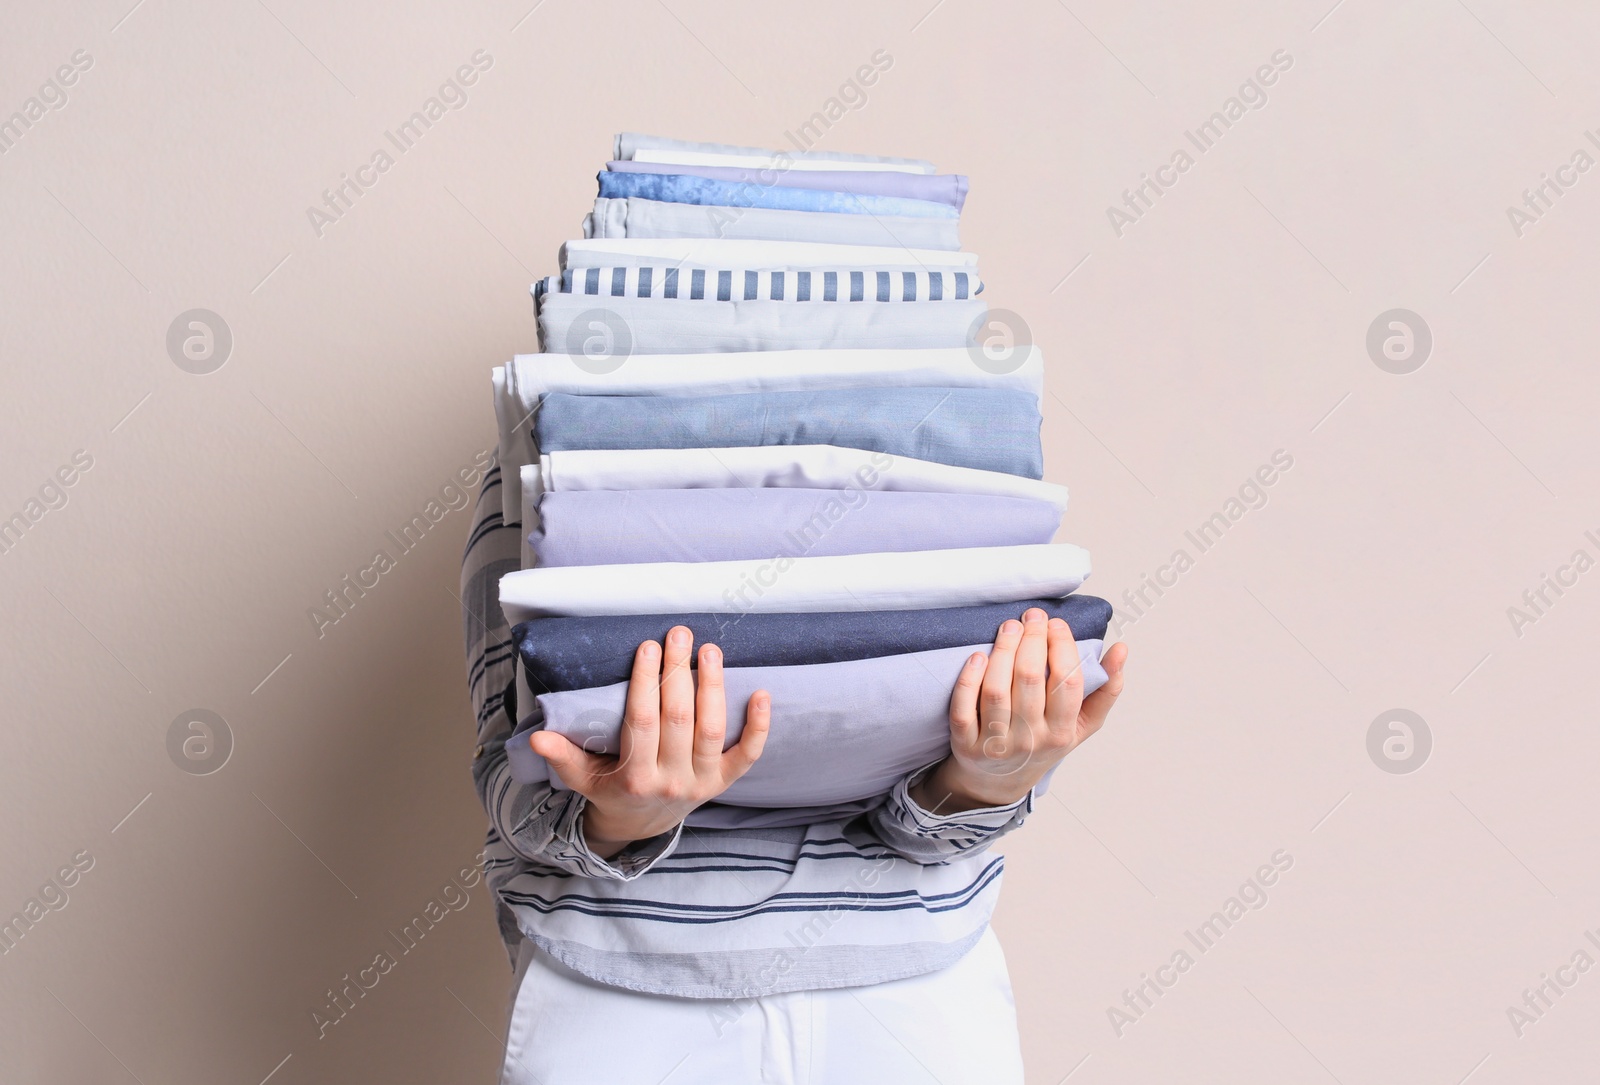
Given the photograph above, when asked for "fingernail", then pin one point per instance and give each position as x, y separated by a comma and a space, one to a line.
680, 637
1033, 616
975, 661
711, 654
650, 649
1058, 623
1011, 626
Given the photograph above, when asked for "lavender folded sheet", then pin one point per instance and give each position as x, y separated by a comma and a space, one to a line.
841, 732
617, 527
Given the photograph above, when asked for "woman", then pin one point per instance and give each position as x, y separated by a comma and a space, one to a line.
847, 951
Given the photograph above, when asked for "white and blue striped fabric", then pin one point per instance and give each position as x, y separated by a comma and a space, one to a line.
724, 284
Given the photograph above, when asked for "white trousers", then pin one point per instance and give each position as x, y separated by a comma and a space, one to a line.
957, 1026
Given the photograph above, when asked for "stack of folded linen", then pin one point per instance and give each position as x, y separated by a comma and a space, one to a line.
760, 412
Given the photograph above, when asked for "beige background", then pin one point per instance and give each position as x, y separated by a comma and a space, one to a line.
1228, 323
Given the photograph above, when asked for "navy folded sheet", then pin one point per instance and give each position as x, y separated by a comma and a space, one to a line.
990, 429
560, 654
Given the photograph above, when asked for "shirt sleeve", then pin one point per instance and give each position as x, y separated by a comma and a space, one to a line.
528, 823
922, 836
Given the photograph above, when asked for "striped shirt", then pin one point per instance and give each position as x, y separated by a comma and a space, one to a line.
723, 284
731, 913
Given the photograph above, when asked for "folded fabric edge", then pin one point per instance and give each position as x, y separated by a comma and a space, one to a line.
528, 767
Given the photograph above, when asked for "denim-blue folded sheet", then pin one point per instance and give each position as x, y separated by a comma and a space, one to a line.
990, 429
945, 188
703, 191
841, 732
618, 527
577, 653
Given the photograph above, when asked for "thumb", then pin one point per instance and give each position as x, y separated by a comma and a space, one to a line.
1098, 704
578, 768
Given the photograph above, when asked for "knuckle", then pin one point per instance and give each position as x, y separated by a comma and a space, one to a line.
1070, 680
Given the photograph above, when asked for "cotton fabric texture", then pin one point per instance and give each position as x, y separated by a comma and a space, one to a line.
949, 188
571, 322
813, 285
840, 731
613, 527
634, 217
743, 253
706, 192
805, 466
520, 386
915, 580
811, 467
991, 430
560, 654
764, 161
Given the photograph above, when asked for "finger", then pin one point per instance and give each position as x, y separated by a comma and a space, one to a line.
579, 769
1066, 680
641, 715
994, 704
1030, 669
964, 702
677, 700
747, 751
710, 713
1098, 704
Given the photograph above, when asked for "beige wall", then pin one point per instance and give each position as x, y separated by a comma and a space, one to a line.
1228, 323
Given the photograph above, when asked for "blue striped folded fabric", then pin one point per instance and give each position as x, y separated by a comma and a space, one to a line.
704, 191
725, 284
990, 429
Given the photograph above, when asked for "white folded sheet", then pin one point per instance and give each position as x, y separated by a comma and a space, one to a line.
721, 252
769, 162
913, 580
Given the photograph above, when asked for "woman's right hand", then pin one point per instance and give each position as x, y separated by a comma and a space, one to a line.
671, 758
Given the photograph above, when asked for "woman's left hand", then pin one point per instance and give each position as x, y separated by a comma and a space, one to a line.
1015, 714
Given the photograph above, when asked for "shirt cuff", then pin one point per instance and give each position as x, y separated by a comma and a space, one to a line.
981, 820
571, 849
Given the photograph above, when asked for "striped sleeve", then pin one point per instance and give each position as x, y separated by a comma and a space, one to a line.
528, 823
925, 837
